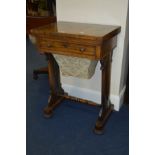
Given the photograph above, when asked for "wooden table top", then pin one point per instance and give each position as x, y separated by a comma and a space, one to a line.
78, 29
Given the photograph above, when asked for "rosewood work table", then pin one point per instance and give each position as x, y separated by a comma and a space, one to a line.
90, 41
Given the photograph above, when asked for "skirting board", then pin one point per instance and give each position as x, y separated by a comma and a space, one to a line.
94, 96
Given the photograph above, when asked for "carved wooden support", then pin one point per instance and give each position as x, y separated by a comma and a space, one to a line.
55, 85
79, 100
106, 106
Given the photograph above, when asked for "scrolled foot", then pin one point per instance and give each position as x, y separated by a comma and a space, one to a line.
98, 131
101, 121
48, 112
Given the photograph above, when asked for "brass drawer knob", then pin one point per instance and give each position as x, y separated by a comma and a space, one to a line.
82, 49
65, 45
49, 45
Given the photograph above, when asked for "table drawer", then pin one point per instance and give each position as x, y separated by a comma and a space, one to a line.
48, 45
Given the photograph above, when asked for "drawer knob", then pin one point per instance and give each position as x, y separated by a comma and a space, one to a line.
82, 49
49, 45
65, 45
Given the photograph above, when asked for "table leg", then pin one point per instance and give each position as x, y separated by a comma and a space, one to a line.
55, 86
106, 106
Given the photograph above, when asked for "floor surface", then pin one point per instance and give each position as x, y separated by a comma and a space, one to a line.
69, 131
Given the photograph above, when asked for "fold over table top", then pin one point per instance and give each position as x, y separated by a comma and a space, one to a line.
78, 30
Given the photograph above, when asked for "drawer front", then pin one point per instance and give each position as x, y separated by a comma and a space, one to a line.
48, 45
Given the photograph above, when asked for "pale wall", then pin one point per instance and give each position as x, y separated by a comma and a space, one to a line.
112, 12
